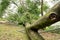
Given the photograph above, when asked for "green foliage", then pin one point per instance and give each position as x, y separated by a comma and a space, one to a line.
22, 9
33, 7
27, 12
25, 18
12, 17
3, 6
2, 19
45, 7
53, 29
49, 28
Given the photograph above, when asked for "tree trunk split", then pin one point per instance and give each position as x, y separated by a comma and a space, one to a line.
51, 17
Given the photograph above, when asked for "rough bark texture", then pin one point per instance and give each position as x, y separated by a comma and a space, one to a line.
33, 35
51, 17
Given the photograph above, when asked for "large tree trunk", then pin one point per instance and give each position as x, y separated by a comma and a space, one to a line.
51, 17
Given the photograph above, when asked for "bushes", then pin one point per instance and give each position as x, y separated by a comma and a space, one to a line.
22, 19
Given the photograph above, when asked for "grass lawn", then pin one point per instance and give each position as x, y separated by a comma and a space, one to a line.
11, 32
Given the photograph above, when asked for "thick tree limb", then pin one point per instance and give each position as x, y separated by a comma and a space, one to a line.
51, 17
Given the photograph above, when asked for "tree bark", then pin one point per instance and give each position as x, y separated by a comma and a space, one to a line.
52, 16
34, 35
41, 7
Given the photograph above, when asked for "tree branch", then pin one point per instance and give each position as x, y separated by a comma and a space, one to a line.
51, 17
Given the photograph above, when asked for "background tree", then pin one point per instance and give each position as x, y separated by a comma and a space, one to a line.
42, 7
3, 5
28, 11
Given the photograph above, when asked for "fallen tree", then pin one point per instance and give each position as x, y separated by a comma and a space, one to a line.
52, 16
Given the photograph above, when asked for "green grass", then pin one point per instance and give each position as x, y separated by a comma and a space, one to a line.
2, 19
13, 32
10, 32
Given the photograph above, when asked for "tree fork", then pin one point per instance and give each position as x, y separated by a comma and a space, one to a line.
52, 16
33, 35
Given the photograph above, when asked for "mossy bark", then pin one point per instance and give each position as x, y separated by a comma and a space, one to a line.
34, 35
52, 16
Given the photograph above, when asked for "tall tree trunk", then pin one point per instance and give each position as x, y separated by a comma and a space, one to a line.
41, 7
